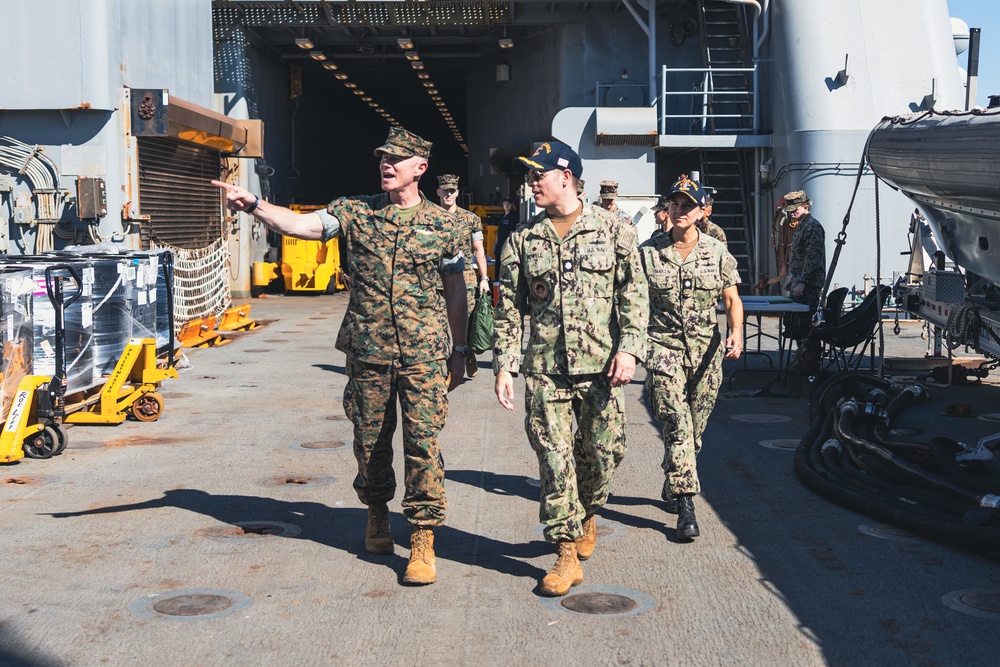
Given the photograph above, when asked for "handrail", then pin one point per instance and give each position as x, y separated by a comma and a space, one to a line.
706, 93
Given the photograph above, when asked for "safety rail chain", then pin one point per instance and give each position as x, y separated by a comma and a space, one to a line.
702, 93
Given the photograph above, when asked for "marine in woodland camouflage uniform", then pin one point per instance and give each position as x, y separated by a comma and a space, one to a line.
609, 197
806, 275
475, 264
404, 255
688, 273
567, 287
706, 226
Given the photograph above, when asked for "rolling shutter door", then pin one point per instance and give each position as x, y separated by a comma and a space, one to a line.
184, 208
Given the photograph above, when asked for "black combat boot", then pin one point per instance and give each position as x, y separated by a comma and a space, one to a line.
687, 525
668, 498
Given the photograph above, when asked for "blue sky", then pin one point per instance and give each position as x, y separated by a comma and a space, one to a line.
985, 15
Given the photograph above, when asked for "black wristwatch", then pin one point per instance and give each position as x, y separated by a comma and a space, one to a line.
461, 349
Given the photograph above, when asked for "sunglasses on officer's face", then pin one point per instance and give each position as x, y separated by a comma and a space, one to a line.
535, 176
448, 192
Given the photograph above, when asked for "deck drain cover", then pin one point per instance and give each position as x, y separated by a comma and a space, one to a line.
785, 443
599, 603
251, 530
761, 418
905, 431
257, 350
981, 603
325, 444
193, 605
295, 481
887, 531
275, 340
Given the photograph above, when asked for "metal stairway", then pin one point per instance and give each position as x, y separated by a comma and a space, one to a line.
727, 172
724, 47
724, 37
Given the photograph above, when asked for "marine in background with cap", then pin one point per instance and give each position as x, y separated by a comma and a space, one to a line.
574, 270
688, 273
662, 214
476, 279
608, 201
806, 276
706, 226
407, 289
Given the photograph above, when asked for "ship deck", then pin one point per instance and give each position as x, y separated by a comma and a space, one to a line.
241, 497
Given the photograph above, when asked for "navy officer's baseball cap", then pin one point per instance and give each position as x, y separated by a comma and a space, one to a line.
691, 189
550, 155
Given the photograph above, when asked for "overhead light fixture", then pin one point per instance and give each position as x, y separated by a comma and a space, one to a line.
304, 43
340, 75
412, 56
405, 43
351, 84
506, 43
416, 64
423, 75
358, 92
432, 91
330, 66
436, 98
428, 84
366, 98
317, 55
440, 104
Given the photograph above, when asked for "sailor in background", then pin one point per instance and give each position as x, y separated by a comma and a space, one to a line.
688, 274
476, 279
609, 196
806, 277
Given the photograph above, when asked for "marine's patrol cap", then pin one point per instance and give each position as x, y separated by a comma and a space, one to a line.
404, 144
661, 204
448, 182
550, 155
579, 187
609, 189
795, 199
692, 189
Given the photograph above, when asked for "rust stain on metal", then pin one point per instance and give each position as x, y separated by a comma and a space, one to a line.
85, 105
18, 479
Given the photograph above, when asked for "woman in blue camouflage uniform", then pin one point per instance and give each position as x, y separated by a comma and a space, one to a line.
688, 273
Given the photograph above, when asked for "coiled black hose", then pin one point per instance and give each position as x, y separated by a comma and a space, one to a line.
848, 457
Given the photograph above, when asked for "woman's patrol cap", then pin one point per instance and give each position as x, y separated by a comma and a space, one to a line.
550, 155
404, 144
686, 186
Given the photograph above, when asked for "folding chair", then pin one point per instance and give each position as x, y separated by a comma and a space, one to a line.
853, 334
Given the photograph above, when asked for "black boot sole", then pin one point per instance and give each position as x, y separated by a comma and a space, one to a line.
688, 532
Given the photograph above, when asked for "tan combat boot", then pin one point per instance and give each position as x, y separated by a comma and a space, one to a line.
566, 573
471, 364
378, 538
585, 543
421, 569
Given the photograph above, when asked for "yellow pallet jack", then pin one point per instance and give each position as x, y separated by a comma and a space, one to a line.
129, 390
34, 426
